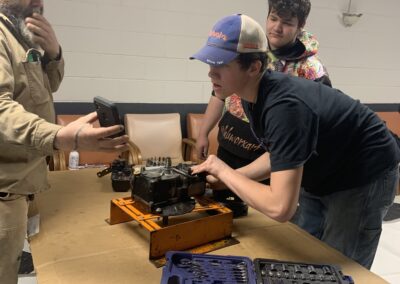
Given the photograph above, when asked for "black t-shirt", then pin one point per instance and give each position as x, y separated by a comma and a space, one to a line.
237, 144
340, 142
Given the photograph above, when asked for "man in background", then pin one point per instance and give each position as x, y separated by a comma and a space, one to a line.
31, 69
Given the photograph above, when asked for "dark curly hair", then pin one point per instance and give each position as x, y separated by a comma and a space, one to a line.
246, 59
291, 8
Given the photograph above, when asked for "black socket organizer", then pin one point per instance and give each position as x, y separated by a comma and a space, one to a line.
284, 272
188, 268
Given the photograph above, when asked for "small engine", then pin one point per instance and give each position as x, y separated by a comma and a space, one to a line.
167, 190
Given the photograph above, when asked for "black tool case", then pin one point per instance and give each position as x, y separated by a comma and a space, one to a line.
188, 268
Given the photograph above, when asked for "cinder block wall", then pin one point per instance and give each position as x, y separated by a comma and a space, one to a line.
135, 51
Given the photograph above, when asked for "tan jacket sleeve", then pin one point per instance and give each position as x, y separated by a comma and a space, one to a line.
55, 72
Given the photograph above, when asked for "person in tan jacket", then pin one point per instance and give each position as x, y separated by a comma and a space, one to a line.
31, 69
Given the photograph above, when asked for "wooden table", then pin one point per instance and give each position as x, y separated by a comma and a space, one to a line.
76, 245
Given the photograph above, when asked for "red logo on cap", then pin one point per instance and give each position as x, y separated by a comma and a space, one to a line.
250, 45
219, 35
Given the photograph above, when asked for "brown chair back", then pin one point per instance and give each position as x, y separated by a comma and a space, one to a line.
392, 120
194, 121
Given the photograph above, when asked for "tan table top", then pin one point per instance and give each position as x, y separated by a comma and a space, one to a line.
76, 245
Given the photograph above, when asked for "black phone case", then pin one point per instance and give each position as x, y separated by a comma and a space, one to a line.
107, 113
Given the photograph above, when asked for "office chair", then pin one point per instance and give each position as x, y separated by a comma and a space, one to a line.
154, 135
193, 122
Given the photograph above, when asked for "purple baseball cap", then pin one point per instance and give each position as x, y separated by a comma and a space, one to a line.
231, 36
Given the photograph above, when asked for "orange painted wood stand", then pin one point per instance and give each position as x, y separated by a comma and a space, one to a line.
206, 228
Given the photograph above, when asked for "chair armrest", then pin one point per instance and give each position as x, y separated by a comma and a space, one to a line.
188, 144
57, 161
133, 155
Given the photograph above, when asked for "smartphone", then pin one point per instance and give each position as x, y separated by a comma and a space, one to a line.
107, 113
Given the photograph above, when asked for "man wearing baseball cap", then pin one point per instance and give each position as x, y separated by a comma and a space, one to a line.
314, 136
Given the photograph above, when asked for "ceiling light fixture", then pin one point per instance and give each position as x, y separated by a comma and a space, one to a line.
349, 18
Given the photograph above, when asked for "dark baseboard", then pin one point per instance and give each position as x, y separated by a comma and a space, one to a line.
384, 107
183, 109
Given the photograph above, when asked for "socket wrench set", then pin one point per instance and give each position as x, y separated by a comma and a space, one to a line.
284, 272
188, 268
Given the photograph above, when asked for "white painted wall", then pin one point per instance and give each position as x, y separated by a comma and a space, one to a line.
137, 50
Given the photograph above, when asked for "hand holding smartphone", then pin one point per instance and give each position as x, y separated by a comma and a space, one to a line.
107, 113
